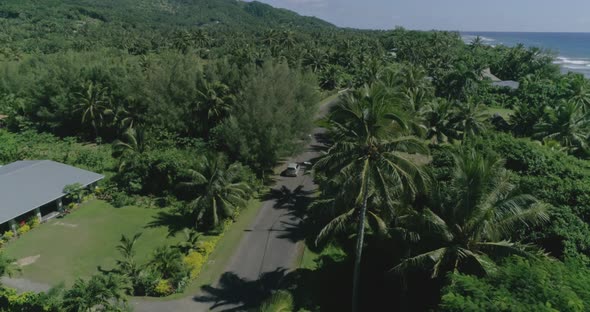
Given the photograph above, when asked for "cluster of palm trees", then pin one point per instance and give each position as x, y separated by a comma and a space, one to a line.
558, 121
376, 167
95, 106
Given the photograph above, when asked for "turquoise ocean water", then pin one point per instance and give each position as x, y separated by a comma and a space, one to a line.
572, 49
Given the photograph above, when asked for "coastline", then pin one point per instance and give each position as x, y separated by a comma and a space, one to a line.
571, 56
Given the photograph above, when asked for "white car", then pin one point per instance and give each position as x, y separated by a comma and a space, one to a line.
292, 170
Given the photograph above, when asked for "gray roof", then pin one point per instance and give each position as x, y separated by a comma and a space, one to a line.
507, 84
29, 184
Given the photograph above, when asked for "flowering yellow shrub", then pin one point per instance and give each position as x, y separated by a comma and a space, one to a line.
206, 248
23, 229
8, 234
163, 288
194, 261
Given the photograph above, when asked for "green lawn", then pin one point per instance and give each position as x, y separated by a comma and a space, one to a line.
85, 239
504, 112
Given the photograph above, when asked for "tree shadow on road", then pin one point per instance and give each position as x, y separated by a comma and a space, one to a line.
237, 294
295, 203
322, 142
327, 287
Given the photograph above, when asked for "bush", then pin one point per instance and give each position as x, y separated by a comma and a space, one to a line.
163, 288
23, 229
207, 247
194, 261
146, 283
521, 285
8, 235
34, 222
10, 300
555, 178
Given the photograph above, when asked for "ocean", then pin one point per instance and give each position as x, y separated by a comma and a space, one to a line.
572, 49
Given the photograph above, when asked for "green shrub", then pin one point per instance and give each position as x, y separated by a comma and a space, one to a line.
34, 222
194, 261
8, 235
207, 247
163, 288
23, 229
521, 285
10, 300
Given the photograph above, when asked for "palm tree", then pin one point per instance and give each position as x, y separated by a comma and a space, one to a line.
132, 140
568, 124
477, 42
580, 89
213, 103
470, 118
99, 293
167, 261
182, 41
219, 191
191, 238
128, 266
438, 117
316, 60
471, 219
287, 39
7, 266
93, 104
368, 153
280, 301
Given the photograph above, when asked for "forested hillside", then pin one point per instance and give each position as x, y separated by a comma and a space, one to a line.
52, 25
439, 190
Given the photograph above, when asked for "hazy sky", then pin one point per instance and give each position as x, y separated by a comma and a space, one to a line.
476, 15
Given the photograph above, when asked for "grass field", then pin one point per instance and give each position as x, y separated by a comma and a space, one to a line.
504, 112
78, 244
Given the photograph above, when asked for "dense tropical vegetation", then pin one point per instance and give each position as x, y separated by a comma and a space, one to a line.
431, 198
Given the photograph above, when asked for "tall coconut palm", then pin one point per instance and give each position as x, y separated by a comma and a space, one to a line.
218, 189
568, 124
369, 152
94, 105
472, 219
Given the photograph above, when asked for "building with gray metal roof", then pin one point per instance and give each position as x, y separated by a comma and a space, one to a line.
512, 85
29, 184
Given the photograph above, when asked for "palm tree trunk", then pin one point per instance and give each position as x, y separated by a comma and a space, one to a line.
359, 251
